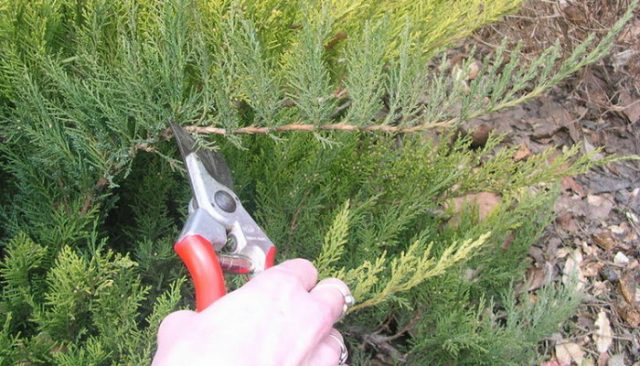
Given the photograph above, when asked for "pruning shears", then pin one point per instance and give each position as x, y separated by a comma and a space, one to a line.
219, 234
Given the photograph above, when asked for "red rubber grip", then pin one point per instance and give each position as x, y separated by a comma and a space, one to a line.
201, 260
271, 258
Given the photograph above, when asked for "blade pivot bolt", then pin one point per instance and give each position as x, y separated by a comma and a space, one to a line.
225, 201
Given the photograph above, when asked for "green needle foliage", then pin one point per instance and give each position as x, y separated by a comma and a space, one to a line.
336, 97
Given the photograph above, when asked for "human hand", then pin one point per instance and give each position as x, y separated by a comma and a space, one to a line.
281, 317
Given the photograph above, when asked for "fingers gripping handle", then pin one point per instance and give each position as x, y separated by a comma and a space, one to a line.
202, 262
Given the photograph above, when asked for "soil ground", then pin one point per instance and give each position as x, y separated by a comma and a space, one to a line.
597, 227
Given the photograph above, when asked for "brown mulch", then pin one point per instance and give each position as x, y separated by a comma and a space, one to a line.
597, 228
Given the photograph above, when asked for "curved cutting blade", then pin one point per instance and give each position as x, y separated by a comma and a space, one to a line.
213, 161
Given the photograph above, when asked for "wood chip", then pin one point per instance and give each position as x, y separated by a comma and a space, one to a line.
603, 335
621, 259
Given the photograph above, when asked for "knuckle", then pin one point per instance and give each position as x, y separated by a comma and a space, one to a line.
305, 263
299, 263
283, 279
323, 311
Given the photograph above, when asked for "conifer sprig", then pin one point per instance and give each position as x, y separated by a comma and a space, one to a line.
408, 270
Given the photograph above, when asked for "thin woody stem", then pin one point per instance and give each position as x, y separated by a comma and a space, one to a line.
297, 127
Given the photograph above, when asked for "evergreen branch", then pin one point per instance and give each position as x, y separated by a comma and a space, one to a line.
504, 90
450, 98
334, 241
416, 265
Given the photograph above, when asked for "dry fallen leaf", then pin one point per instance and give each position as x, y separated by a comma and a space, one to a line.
627, 286
485, 201
563, 252
599, 288
508, 240
631, 106
480, 135
616, 360
522, 153
592, 269
602, 359
570, 184
537, 277
474, 69
599, 207
554, 363
630, 314
619, 230
603, 335
567, 222
604, 239
569, 352
572, 269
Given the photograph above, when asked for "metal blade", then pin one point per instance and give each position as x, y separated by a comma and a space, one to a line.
213, 161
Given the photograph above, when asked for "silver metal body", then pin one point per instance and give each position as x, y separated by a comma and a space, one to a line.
231, 230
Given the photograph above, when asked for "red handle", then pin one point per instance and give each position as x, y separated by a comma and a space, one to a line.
202, 262
271, 258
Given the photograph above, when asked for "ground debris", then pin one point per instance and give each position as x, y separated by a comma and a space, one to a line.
596, 231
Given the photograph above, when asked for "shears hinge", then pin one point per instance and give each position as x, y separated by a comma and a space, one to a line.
201, 223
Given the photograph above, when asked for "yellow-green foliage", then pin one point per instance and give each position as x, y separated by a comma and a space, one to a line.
408, 270
436, 22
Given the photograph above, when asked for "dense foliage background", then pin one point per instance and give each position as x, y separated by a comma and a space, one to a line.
92, 194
